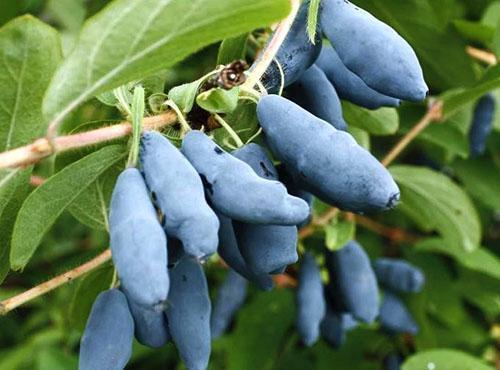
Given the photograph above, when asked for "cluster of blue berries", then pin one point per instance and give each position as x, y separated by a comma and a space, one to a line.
185, 204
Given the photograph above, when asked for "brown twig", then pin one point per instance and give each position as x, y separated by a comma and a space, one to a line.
42, 148
394, 234
39, 290
434, 113
36, 180
482, 55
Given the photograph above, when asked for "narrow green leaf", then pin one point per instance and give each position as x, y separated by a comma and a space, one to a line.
47, 202
444, 359
185, 95
455, 100
481, 178
232, 49
312, 20
435, 202
383, 121
475, 31
30, 52
219, 100
480, 260
20, 184
132, 39
91, 207
338, 233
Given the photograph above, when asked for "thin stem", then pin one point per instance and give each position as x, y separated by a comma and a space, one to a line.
42, 148
39, 290
395, 234
434, 113
482, 55
272, 48
229, 130
182, 120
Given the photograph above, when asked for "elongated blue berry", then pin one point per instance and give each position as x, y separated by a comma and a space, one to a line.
349, 85
325, 161
150, 325
138, 243
294, 190
395, 317
109, 333
482, 124
355, 281
266, 249
230, 253
296, 54
373, 51
334, 327
236, 190
398, 275
230, 298
179, 193
313, 92
311, 304
188, 313
392, 362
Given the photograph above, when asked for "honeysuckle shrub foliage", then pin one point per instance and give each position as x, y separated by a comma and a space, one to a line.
71, 66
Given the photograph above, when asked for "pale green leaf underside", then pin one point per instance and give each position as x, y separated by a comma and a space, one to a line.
131, 39
44, 205
29, 54
435, 202
481, 260
444, 359
383, 121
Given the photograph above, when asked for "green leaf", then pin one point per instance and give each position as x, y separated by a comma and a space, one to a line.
338, 233
55, 359
259, 326
20, 186
383, 121
481, 260
312, 19
48, 201
444, 359
132, 39
455, 100
30, 52
475, 31
243, 121
85, 294
91, 207
450, 134
361, 136
481, 291
70, 14
185, 95
435, 202
481, 178
417, 21
232, 49
219, 100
